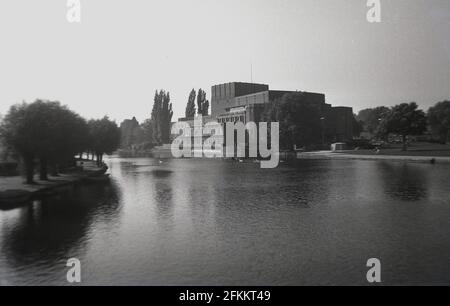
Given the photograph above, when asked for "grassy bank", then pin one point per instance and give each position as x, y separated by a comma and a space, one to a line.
14, 191
415, 149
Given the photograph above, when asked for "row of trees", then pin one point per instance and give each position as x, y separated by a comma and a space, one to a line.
202, 104
301, 121
407, 119
156, 129
53, 134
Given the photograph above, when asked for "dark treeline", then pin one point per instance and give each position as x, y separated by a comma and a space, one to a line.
405, 120
51, 134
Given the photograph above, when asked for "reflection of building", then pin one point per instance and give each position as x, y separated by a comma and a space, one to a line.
245, 102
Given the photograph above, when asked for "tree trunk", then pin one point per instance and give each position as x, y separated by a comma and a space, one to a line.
444, 137
54, 170
99, 159
405, 145
29, 169
43, 169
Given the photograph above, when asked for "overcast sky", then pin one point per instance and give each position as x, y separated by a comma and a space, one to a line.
122, 51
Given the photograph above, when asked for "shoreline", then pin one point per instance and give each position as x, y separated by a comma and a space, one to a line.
343, 155
14, 192
322, 155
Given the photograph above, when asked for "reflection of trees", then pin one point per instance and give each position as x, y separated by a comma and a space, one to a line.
48, 230
163, 196
407, 182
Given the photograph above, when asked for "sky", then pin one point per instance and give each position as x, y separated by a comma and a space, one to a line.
122, 51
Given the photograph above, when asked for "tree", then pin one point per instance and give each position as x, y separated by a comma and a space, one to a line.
166, 117
17, 132
71, 137
161, 117
439, 120
405, 119
205, 108
202, 103
147, 128
371, 118
105, 137
155, 118
358, 126
299, 119
190, 107
43, 130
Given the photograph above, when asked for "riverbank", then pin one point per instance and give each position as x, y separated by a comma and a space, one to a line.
371, 156
14, 191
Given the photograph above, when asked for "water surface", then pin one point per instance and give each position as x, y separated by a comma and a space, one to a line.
213, 222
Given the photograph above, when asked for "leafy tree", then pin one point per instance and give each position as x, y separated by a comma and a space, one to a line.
4, 147
105, 137
190, 107
439, 120
405, 119
299, 119
358, 126
147, 128
71, 137
202, 103
17, 132
43, 130
371, 118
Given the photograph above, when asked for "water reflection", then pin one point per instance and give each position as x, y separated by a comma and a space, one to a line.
215, 222
161, 173
163, 199
405, 181
54, 227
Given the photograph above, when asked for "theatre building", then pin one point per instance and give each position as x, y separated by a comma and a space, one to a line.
245, 102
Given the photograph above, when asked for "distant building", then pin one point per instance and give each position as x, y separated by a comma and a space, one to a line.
245, 102
131, 133
196, 136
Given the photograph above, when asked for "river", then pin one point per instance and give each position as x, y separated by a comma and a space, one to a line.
215, 222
